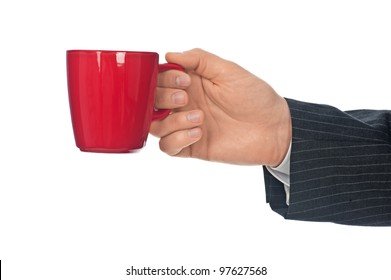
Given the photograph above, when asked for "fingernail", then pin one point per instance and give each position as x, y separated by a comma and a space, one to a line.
178, 98
194, 133
194, 117
183, 80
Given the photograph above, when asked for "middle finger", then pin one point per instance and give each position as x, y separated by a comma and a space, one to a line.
168, 98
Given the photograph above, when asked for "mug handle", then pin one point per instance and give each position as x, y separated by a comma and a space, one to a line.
159, 114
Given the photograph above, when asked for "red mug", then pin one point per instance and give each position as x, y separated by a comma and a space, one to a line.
111, 98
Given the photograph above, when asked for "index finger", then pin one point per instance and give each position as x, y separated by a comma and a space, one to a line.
201, 62
174, 79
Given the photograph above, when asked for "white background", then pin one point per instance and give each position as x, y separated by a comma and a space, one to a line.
71, 215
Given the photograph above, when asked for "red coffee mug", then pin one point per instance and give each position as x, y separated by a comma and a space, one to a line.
111, 98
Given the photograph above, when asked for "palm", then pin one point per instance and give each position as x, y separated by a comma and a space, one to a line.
232, 115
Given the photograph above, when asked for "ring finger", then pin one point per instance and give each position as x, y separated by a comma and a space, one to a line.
176, 122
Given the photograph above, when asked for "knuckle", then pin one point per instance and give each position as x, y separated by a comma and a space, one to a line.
174, 143
168, 149
156, 129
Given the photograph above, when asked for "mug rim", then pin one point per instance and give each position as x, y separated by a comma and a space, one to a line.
109, 51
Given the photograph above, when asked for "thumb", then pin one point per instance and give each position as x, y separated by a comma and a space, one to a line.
201, 62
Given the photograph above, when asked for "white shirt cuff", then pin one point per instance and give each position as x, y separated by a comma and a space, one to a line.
282, 172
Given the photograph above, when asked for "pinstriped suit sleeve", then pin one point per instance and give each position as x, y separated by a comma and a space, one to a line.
340, 169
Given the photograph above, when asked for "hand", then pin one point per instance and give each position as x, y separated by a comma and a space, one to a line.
220, 112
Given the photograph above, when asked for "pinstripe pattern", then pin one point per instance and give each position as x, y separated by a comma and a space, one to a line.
340, 167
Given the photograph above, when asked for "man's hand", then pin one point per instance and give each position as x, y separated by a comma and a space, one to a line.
220, 112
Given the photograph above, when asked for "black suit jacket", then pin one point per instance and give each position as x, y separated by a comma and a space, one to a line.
340, 168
